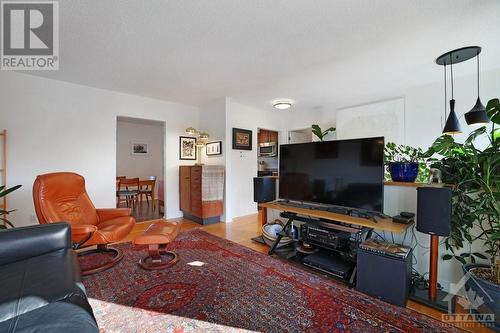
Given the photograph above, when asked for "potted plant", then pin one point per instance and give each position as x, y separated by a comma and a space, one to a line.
405, 163
3, 212
475, 176
316, 130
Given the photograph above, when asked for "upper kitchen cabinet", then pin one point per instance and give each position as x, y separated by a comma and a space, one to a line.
266, 136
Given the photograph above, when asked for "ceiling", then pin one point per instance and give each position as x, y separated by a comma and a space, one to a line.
318, 53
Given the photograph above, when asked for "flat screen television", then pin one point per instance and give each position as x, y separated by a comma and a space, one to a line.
347, 173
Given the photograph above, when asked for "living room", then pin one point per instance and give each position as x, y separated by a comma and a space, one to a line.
211, 75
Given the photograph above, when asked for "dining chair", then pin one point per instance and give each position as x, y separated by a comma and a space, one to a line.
161, 197
129, 189
147, 188
118, 181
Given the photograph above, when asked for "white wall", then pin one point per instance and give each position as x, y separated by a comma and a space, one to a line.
375, 119
241, 165
58, 126
130, 131
213, 121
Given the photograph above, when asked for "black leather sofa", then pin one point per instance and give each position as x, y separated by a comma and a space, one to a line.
40, 285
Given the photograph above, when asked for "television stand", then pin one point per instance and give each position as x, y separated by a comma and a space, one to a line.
362, 213
383, 222
341, 261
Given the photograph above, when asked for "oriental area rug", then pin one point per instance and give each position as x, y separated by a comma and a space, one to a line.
220, 286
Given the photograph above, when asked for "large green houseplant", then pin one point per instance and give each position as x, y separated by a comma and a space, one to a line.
473, 169
4, 222
475, 175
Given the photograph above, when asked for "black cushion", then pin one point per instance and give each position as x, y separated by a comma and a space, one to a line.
58, 317
40, 282
26, 242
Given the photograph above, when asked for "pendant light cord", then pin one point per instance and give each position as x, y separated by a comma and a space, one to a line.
445, 95
451, 70
478, 75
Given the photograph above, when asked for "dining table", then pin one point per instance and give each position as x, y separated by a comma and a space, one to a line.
144, 184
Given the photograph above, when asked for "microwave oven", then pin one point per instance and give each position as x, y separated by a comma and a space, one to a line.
268, 149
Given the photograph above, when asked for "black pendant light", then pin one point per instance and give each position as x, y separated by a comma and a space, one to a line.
452, 126
477, 115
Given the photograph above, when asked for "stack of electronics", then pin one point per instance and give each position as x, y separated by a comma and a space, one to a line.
338, 262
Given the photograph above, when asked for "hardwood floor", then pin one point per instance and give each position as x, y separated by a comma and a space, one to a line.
243, 229
144, 211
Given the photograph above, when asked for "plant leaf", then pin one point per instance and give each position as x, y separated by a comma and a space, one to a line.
4, 192
447, 257
493, 110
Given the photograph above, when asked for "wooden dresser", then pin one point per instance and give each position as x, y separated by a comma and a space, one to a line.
195, 207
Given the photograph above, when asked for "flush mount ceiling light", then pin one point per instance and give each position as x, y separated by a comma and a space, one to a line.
282, 105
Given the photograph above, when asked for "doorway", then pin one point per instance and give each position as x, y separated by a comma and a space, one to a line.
267, 152
140, 167
300, 135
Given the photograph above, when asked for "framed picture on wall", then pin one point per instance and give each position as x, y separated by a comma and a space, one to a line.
139, 149
242, 139
187, 148
214, 148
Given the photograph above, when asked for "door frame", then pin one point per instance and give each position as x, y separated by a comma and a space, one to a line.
297, 130
164, 158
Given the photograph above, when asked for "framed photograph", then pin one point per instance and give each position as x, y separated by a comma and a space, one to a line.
242, 139
187, 148
139, 149
214, 148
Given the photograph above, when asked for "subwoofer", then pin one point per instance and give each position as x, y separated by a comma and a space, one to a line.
383, 276
264, 189
434, 210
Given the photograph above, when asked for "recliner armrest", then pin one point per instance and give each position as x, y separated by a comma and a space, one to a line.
105, 214
25, 242
82, 233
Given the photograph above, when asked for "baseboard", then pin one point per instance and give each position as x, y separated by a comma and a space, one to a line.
243, 217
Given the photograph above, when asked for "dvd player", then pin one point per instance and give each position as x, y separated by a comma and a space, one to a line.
332, 264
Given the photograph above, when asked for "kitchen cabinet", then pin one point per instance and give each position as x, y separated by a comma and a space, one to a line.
267, 136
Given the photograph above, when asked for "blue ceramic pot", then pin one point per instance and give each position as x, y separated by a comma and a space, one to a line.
488, 291
403, 171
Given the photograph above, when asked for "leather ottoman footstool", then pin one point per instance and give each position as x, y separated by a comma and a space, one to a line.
156, 237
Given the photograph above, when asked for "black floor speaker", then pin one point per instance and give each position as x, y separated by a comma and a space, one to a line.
434, 210
385, 277
264, 189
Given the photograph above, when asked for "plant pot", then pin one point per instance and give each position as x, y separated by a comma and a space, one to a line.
489, 291
403, 171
